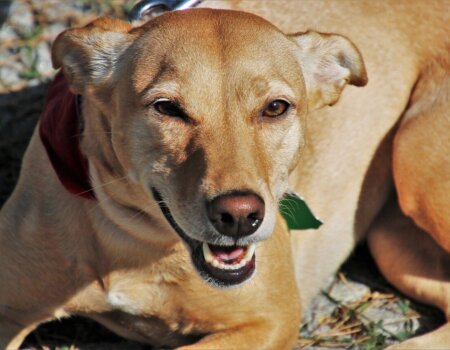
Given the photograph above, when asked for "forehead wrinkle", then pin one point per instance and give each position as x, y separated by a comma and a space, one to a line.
202, 80
254, 91
278, 87
163, 70
150, 70
167, 87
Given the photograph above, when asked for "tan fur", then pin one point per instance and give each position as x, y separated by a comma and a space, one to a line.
118, 260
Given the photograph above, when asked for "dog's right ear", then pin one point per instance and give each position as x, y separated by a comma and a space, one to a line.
329, 62
87, 55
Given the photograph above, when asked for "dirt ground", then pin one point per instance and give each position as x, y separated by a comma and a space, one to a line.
357, 310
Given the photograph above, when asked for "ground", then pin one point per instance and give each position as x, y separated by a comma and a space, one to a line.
357, 310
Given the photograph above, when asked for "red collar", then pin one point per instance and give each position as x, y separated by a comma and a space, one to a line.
59, 130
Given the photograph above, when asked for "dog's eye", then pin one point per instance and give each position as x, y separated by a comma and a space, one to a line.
275, 108
169, 108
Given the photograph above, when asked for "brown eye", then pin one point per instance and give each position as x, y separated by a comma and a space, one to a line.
168, 108
275, 108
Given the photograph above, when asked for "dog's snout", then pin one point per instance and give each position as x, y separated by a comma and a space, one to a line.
236, 214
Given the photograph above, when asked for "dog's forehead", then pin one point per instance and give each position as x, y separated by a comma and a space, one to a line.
202, 20
182, 41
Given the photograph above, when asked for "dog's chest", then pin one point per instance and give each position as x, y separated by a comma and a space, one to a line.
153, 329
149, 312
152, 308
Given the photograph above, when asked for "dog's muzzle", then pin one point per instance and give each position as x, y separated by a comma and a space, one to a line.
223, 266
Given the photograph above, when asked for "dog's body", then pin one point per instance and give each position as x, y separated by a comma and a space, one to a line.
118, 260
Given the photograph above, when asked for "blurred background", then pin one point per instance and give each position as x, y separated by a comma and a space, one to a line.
27, 30
357, 309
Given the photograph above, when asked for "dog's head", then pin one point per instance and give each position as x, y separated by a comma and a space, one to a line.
206, 110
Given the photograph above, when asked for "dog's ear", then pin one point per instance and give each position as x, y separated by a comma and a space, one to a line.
329, 62
88, 54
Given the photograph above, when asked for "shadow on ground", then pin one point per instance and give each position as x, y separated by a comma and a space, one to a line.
19, 113
4, 10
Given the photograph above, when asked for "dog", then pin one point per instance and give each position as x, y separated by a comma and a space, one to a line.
158, 217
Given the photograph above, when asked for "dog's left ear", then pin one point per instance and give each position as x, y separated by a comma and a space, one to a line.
329, 62
89, 55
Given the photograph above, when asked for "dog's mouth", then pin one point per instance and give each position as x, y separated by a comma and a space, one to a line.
221, 266
225, 266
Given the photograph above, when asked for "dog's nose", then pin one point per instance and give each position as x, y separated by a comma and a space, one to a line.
236, 214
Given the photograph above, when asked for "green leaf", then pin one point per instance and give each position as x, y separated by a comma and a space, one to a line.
297, 214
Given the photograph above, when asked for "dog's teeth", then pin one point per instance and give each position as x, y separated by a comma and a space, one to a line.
242, 263
250, 251
210, 259
222, 266
207, 253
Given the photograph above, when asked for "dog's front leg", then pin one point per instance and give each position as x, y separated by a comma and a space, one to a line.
263, 335
17, 320
12, 333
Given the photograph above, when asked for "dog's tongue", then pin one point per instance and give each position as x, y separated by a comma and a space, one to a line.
227, 253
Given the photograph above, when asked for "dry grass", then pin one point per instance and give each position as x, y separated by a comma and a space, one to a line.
348, 327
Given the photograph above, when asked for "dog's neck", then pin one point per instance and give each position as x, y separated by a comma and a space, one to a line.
59, 129
61, 132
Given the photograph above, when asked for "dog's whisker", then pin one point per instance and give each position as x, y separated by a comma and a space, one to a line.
140, 212
96, 205
92, 189
288, 211
87, 132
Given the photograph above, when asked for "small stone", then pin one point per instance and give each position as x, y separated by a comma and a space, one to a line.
349, 292
7, 34
21, 17
393, 320
44, 59
9, 76
33, 82
53, 30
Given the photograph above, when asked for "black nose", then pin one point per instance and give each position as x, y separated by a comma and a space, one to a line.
236, 214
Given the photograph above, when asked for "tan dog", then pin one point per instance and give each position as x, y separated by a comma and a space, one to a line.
381, 148
204, 113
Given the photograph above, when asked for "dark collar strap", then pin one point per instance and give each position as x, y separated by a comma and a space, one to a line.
60, 132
